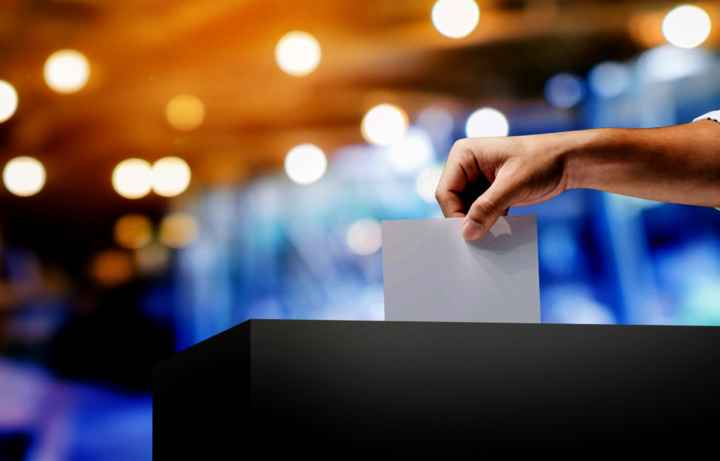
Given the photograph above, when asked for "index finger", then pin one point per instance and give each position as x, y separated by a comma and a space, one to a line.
460, 171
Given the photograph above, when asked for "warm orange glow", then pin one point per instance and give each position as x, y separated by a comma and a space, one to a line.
178, 230
111, 267
646, 29
133, 231
185, 112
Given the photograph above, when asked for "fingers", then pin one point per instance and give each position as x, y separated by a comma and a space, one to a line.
450, 202
486, 210
461, 171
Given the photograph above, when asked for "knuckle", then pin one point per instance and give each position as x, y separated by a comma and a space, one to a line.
460, 146
442, 196
463, 154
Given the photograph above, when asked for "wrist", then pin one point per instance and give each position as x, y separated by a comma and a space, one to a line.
585, 152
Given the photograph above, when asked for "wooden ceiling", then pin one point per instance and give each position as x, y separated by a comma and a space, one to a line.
144, 52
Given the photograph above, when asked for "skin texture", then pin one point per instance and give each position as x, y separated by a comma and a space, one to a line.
484, 177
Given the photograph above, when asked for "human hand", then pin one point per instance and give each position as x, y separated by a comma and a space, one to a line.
483, 177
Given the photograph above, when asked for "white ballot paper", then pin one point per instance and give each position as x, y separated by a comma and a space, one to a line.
433, 274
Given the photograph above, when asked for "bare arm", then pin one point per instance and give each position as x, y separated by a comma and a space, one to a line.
485, 176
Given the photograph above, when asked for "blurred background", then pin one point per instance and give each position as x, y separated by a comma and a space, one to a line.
170, 169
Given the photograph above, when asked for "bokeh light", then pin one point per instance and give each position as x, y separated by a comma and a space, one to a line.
305, 164
455, 18
24, 176
437, 122
111, 267
666, 63
66, 71
170, 176
412, 152
152, 259
427, 181
178, 230
298, 53
609, 79
132, 178
564, 90
364, 237
185, 112
384, 124
686, 26
576, 305
133, 231
486, 122
8, 101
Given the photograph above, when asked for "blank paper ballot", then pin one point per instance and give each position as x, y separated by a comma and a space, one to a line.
433, 274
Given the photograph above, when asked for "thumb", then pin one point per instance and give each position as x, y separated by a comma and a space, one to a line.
487, 208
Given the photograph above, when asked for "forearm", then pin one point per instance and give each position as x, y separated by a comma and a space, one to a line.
679, 164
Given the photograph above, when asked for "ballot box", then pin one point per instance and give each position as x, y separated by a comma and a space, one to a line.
343, 388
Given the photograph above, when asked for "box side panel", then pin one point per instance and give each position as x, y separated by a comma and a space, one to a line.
198, 394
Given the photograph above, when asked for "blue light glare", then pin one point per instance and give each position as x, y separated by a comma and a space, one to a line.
667, 63
559, 252
564, 90
609, 79
574, 304
437, 122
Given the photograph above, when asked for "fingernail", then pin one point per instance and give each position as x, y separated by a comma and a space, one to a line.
472, 230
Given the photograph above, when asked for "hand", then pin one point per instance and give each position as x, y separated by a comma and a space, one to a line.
484, 177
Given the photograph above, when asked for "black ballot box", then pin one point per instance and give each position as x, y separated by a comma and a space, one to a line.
414, 388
